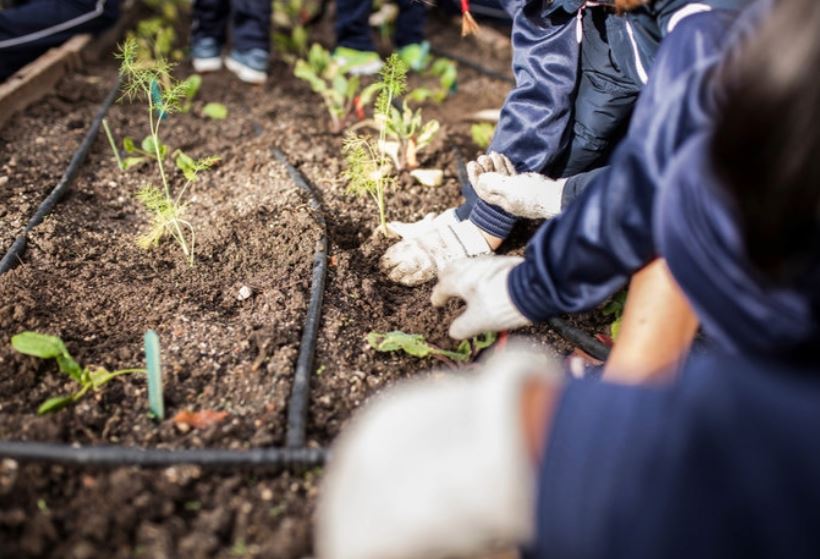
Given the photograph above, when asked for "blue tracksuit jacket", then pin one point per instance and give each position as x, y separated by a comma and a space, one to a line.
579, 68
30, 29
722, 464
659, 197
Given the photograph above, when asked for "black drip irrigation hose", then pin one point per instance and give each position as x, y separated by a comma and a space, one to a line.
299, 397
473, 65
295, 454
573, 335
118, 456
19, 245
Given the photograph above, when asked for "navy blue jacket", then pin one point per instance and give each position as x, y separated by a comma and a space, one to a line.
723, 464
28, 30
659, 198
573, 98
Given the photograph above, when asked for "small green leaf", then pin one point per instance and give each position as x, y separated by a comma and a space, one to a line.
187, 165
148, 146
192, 86
482, 134
216, 111
485, 340
130, 162
38, 345
128, 145
156, 401
47, 347
412, 344
54, 404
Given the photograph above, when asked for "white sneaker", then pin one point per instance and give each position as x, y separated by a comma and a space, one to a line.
250, 66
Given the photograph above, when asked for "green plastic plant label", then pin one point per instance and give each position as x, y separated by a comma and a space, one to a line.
152, 364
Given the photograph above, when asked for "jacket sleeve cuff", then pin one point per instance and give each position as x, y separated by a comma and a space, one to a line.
577, 184
528, 295
492, 219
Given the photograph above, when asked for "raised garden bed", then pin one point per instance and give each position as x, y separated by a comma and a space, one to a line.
83, 278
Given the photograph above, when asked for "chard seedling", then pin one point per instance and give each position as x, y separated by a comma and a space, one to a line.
339, 92
290, 14
52, 347
415, 345
446, 71
408, 135
141, 81
482, 134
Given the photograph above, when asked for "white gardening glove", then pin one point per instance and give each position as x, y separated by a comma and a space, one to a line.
434, 468
492, 162
413, 229
528, 195
482, 284
415, 261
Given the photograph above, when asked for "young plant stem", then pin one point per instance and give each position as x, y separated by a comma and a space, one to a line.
113, 144
382, 163
166, 187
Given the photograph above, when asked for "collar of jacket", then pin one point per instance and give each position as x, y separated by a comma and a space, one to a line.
572, 6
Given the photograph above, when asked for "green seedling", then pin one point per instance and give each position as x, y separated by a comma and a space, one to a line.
51, 347
408, 135
215, 111
290, 14
366, 173
339, 92
191, 86
367, 165
446, 71
154, 38
615, 310
169, 9
482, 134
415, 345
167, 208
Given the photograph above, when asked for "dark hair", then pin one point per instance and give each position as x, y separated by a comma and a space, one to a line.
766, 148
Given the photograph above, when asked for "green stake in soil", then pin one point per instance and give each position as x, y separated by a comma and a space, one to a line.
152, 364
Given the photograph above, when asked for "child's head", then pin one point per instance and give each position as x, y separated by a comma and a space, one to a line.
766, 149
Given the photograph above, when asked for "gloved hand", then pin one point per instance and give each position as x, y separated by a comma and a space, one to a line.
413, 229
435, 468
492, 162
482, 284
528, 195
416, 260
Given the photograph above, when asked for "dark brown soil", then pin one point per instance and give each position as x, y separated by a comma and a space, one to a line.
84, 279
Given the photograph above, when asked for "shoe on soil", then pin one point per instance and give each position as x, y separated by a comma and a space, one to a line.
250, 66
416, 55
206, 55
357, 62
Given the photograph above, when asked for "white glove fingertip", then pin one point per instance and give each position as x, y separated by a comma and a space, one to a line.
486, 163
511, 170
463, 326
